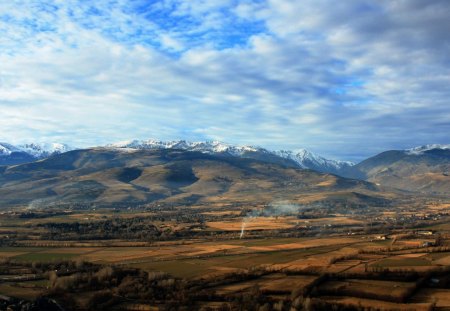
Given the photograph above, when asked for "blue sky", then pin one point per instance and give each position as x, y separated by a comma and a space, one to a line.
344, 79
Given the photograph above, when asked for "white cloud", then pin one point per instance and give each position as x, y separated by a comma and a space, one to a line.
170, 43
314, 77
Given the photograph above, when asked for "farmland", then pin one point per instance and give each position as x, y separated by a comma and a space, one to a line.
400, 259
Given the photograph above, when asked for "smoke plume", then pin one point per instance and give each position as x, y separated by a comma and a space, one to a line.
277, 208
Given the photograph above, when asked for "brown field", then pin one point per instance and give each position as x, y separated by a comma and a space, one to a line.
188, 269
256, 223
175, 251
440, 206
390, 291
276, 253
10, 254
278, 257
345, 265
338, 220
444, 261
221, 213
415, 255
24, 290
404, 261
271, 284
280, 283
382, 305
412, 242
436, 295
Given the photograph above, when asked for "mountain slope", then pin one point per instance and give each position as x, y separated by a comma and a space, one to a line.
424, 169
109, 177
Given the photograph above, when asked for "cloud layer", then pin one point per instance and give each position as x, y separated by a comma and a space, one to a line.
345, 79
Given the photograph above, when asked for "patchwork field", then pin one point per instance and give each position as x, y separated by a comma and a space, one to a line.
312, 258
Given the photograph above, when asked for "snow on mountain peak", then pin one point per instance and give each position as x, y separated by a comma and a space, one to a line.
6, 149
302, 157
42, 150
308, 159
421, 149
205, 147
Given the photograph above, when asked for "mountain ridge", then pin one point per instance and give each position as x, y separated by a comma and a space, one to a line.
302, 157
115, 176
423, 168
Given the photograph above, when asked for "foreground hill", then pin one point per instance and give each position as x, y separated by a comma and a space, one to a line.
126, 176
424, 169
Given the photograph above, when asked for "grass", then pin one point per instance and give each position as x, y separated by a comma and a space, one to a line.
21, 249
270, 242
17, 290
38, 283
188, 267
383, 290
437, 256
194, 267
274, 283
439, 295
247, 261
178, 268
402, 262
370, 303
40, 256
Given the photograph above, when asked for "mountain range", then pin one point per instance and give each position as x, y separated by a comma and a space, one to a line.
421, 169
300, 158
124, 176
10, 155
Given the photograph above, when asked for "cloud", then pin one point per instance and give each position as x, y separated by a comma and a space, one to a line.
347, 83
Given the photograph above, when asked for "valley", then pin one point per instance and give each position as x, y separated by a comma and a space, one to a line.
198, 257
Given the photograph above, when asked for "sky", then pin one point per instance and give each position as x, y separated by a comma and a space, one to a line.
345, 79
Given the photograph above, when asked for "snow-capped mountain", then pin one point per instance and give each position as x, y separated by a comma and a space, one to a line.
422, 149
7, 149
210, 147
10, 154
300, 158
44, 150
434, 159
307, 159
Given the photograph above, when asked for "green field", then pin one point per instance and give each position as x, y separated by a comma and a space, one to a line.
24, 290
44, 257
402, 262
